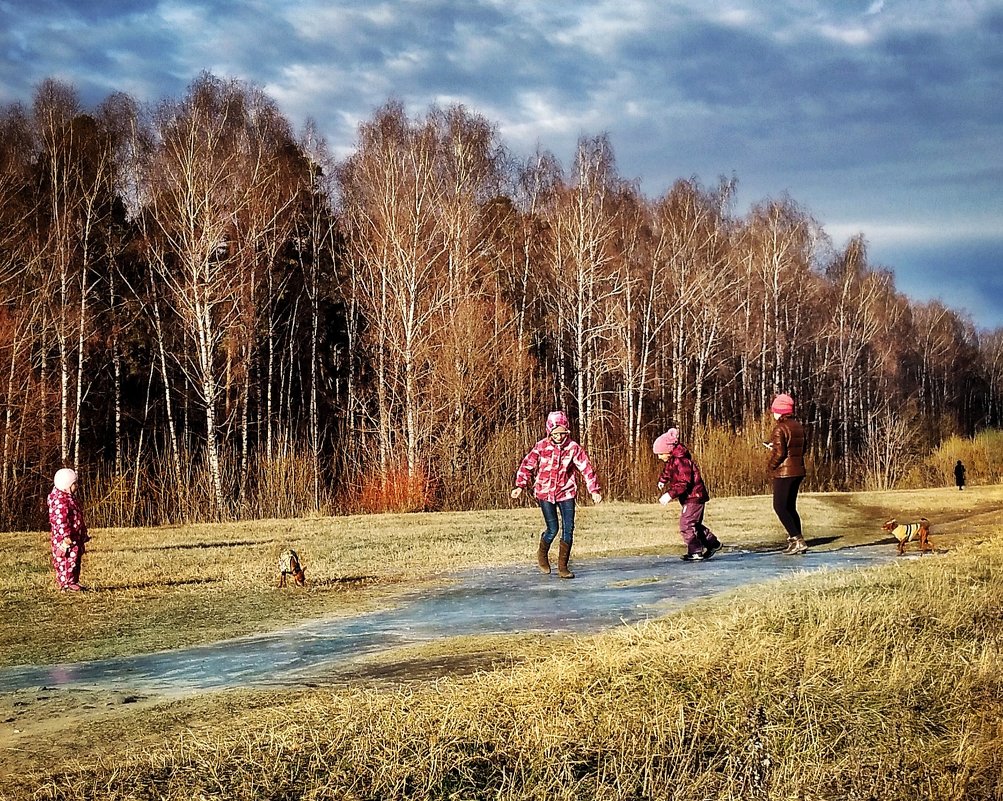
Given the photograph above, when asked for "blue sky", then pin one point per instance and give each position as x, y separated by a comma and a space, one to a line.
880, 117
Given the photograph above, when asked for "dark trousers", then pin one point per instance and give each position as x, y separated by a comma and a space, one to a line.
694, 533
785, 504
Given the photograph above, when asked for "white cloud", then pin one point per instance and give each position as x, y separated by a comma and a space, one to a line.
735, 17
852, 35
914, 234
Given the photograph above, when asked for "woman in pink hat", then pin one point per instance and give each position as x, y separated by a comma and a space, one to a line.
555, 459
786, 468
69, 533
681, 480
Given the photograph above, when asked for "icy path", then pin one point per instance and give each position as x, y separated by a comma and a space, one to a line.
500, 600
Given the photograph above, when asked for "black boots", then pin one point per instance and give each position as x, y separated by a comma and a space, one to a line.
542, 558
562, 561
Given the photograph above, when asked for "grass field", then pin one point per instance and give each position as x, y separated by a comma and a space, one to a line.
879, 684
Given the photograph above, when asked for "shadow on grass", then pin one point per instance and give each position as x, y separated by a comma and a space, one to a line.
815, 542
152, 585
347, 581
191, 546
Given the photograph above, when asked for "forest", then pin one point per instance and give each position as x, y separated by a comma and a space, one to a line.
212, 317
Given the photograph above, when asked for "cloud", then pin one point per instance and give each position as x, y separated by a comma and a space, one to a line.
869, 113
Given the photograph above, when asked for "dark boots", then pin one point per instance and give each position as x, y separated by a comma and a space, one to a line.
542, 558
562, 561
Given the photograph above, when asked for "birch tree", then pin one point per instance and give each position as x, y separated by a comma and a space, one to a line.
777, 250
472, 162
197, 191
390, 191
583, 218
854, 323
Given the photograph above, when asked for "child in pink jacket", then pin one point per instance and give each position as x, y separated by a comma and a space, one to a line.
555, 458
69, 532
681, 480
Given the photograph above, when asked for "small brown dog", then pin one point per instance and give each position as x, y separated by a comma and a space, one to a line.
907, 532
289, 565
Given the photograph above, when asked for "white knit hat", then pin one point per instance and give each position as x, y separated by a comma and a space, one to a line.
65, 478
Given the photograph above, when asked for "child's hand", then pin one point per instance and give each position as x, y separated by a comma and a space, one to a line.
664, 500
66, 545
661, 485
596, 497
516, 492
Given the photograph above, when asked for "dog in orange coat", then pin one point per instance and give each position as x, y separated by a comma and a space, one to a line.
907, 532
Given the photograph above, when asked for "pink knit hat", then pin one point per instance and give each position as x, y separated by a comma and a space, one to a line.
665, 442
782, 404
557, 421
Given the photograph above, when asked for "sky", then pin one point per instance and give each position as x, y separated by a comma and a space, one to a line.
882, 118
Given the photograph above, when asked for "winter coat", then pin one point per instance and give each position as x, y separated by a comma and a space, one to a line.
787, 444
555, 467
66, 519
681, 477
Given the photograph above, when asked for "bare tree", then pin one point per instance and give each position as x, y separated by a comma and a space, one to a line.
391, 189
522, 240
778, 254
207, 172
889, 444
316, 238
472, 162
586, 271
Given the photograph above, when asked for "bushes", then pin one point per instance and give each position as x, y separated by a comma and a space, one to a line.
733, 462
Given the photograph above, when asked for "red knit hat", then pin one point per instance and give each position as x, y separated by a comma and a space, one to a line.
782, 404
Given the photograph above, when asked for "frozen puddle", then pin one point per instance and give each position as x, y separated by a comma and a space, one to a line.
605, 593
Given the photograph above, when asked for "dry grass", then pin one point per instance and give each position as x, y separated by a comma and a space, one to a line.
155, 588
881, 684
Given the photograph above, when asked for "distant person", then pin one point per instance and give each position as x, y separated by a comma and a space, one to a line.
69, 533
555, 459
681, 480
959, 475
786, 468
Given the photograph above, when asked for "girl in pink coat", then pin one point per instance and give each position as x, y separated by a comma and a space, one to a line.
69, 533
555, 458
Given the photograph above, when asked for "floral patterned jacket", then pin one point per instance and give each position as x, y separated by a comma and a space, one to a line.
66, 520
555, 467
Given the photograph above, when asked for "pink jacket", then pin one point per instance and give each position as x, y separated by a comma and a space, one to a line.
555, 466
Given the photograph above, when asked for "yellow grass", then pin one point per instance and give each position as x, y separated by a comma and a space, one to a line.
155, 588
880, 684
